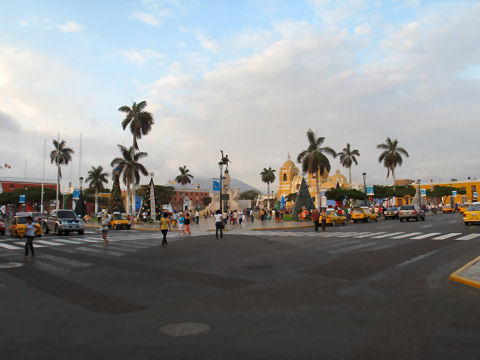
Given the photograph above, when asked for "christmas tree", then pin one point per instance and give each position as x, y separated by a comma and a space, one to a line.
80, 208
116, 202
303, 200
147, 202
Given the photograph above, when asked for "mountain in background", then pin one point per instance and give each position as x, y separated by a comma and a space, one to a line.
206, 184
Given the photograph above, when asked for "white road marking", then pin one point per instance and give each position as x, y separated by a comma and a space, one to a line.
424, 236
446, 236
65, 241
10, 247
369, 235
425, 226
452, 221
22, 243
100, 251
45, 242
388, 235
65, 261
418, 258
406, 235
364, 234
355, 247
468, 237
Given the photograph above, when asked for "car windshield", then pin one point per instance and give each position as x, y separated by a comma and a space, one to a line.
36, 214
117, 216
475, 207
22, 220
358, 211
408, 207
65, 214
392, 209
447, 206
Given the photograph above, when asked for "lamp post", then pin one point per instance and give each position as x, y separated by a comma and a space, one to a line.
25, 205
81, 182
365, 187
220, 165
419, 196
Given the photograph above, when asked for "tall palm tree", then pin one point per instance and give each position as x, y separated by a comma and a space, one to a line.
268, 176
347, 159
391, 157
140, 122
61, 155
96, 178
129, 168
314, 161
185, 176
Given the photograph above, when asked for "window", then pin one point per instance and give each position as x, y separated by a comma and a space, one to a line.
11, 186
284, 177
474, 189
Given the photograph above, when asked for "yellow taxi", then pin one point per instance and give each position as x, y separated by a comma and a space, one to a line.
118, 222
334, 218
18, 227
463, 207
364, 214
448, 209
472, 214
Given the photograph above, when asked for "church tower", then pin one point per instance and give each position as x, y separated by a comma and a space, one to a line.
286, 174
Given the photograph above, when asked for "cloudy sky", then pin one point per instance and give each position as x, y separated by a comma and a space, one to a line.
248, 77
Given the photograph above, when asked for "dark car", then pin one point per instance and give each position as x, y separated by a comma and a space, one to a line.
408, 212
391, 213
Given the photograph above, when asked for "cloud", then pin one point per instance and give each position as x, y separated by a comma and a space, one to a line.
147, 18
139, 57
71, 27
363, 29
8, 123
154, 12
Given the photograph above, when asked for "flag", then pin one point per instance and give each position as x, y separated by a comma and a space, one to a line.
7, 166
216, 185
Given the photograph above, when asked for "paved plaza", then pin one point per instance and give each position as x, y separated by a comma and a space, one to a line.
360, 291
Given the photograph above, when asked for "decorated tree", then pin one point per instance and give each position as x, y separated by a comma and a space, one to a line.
147, 201
303, 200
116, 201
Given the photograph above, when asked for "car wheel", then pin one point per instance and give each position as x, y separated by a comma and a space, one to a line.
58, 232
81, 232
423, 218
401, 220
355, 221
467, 223
128, 227
3, 232
16, 234
115, 227
376, 219
344, 222
417, 219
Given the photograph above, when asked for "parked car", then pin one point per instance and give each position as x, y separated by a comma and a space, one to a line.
117, 222
448, 209
408, 212
463, 207
3, 229
333, 218
18, 226
364, 214
391, 213
472, 214
63, 221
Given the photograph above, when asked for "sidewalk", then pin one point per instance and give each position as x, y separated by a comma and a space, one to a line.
469, 274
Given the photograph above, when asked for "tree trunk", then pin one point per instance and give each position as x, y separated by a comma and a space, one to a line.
57, 203
128, 197
268, 195
133, 178
318, 197
96, 203
350, 175
393, 176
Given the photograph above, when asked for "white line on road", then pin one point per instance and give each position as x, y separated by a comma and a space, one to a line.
370, 235
388, 235
468, 237
45, 242
446, 236
10, 247
355, 247
34, 244
418, 258
424, 236
426, 226
365, 234
100, 251
65, 241
65, 261
406, 235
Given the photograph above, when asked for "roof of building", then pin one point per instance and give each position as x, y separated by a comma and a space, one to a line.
26, 180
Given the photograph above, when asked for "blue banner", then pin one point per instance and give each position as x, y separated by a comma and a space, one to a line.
216, 185
423, 192
76, 194
454, 193
22, 199
370, 190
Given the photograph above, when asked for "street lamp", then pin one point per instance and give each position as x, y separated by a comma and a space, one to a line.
25, 205
220, 165
365, 187
81, 182
419, 196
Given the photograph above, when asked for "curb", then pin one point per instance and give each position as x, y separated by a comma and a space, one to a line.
96, 226
283, 228
463, 280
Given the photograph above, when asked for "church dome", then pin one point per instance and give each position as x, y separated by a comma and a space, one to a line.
289, 164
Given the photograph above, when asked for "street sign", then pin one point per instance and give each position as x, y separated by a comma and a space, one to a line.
76, 194
370, 190
475, 195
216, 185
22, 199
454, 193
423, 192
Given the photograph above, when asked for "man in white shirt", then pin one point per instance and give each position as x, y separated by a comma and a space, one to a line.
29, 234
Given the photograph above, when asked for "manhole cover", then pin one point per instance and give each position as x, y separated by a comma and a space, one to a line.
185, 329
258, 267
10, 265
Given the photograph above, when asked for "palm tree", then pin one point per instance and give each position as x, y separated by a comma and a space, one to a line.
140, 122
391, 157
268, 176
184, 177
129, 168
313, 159
61, 155
96, 178
347, 159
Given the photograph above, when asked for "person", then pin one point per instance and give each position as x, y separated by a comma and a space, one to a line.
165, 225
187, 225
99, 216
315, 219
323, 214
175, 217
197, 217
105, 222
29, 234
240, 217
181, 221
218, 224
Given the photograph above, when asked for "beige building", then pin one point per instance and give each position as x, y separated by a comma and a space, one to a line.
289, 181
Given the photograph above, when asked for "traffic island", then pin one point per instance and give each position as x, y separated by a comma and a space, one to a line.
469, 274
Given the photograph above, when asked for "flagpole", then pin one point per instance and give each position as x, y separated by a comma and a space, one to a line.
58, 171
43, 173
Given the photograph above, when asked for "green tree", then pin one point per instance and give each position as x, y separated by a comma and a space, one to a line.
314, 161
249, 195
391, 156
348, 157
140, 123
146, 206
184, 176
268, 177
129, 167
303, 199
32, 196
60, 155
116, 202
95, 179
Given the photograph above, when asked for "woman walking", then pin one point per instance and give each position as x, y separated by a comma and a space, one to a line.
187, 225
165, 225
218, 224
105, 222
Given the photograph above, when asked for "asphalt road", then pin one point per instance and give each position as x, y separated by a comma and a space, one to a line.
361, 291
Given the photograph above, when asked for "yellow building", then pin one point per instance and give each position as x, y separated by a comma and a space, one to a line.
471, 186
289, 181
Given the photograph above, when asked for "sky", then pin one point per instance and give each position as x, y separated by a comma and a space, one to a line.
248, 77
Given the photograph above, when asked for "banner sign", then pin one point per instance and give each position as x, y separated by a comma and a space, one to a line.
475, 195
216, 185
76, 194
423, 192
454, 193
22, 199
370, 190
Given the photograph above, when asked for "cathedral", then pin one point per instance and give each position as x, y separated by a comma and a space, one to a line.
290, 179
